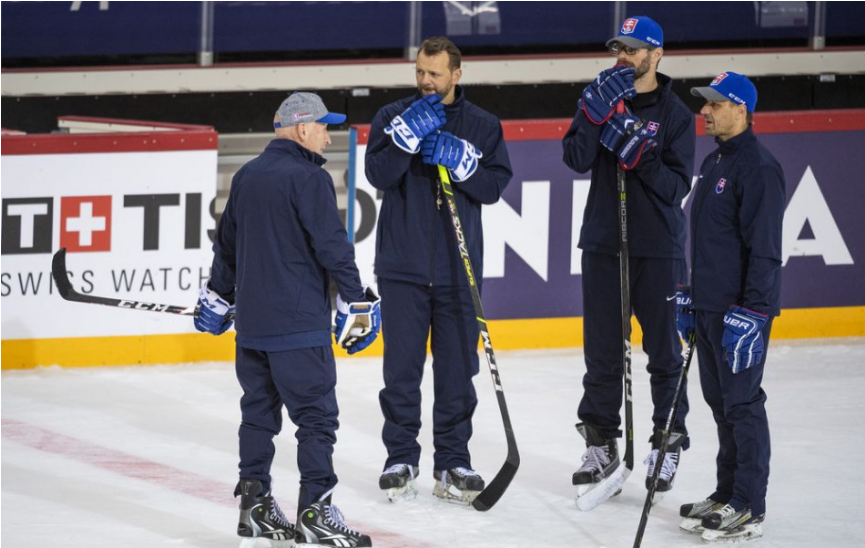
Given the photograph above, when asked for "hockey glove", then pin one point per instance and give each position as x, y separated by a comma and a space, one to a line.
684, 312
421, 118
358, 324
602, 95
215, 314
617, 128
635, 145
743, 338
458, 155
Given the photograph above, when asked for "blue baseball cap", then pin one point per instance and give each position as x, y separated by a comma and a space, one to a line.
730, 86
304, 107
640, 32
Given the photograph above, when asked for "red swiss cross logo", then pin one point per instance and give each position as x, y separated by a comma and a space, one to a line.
85, 223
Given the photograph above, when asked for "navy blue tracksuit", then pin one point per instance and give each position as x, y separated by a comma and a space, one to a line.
422, 281
736, 228
279, 242
656, 239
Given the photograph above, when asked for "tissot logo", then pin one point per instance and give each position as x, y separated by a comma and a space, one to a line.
85, 222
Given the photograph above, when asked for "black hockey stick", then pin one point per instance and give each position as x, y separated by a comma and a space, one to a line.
665, 440
64, 287
624, 278
496, 488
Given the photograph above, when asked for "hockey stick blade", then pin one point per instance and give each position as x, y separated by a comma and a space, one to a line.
65, 289
494, 491
607, 488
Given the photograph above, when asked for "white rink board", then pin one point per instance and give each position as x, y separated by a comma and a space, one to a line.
133, 183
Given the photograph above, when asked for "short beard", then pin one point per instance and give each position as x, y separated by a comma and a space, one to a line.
643, 68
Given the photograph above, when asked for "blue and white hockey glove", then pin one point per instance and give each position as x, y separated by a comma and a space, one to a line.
421, 118
601, 96
615, 130
358, 324
458, 155
684, 312
215, 314
743, 338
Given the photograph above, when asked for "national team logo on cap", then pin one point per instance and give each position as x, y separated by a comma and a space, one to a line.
301, 115
652, 128
629, 26
718, 79
719, 188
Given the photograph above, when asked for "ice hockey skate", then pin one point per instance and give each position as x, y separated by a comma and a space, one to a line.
398, 481
261, 517
458, 485
694, 512
728, 525
322, 523
601, 476
667, 474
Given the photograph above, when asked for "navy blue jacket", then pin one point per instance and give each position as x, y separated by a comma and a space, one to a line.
415, 236
656, 186
279, 240
736, 224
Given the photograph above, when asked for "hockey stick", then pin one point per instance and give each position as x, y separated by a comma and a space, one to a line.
64, 287
624, 278
662, 450
494, 491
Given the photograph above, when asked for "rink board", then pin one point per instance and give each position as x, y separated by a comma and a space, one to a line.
532, 291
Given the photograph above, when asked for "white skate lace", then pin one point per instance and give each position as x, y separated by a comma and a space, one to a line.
277, 515
595, 458
466, 472
397, 469
668, 469
332, 516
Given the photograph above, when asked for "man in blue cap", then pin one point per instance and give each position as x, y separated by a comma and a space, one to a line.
736, 225
658, 159
278, 243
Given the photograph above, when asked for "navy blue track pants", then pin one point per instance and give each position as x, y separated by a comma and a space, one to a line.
304, 381
653, 289
738, 407
412, 314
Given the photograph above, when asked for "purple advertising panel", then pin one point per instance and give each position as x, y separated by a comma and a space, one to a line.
531, 260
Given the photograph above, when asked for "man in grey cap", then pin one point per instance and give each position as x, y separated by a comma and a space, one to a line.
279, 242
736, 227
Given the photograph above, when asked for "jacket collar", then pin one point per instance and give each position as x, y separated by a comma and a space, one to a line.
642, 100
294, 149
735, 143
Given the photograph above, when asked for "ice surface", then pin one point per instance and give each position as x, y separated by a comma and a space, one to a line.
146, 456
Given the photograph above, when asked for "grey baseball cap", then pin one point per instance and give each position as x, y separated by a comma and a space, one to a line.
304, 107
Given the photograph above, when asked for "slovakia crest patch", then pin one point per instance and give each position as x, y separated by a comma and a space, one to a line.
628, 26
718, 79
719, 188
652, 128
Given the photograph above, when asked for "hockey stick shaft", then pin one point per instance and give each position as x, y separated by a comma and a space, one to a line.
496, 488
625, 288
665, 439
64, 287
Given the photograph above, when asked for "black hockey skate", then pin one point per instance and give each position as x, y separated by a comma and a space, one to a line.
671, 463
322, 523
601, 470
459, 485
399, 482
694, 512
261, 516
730, 525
